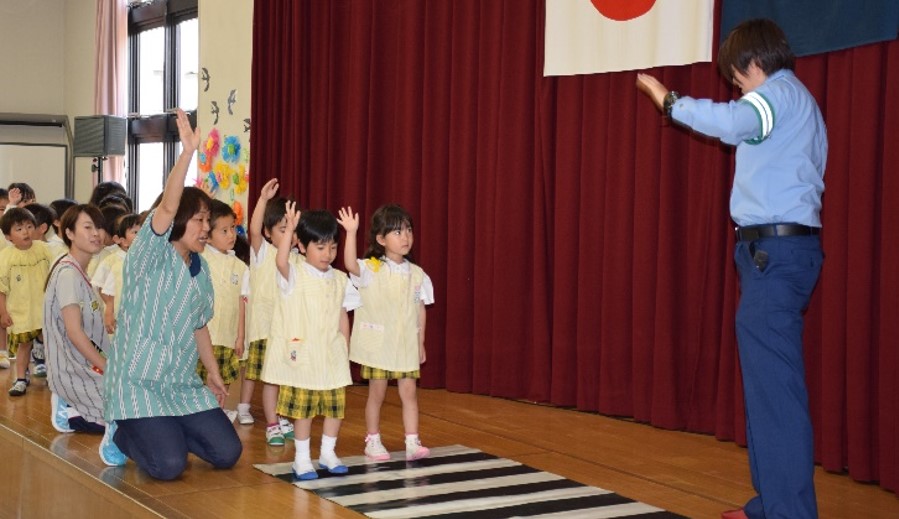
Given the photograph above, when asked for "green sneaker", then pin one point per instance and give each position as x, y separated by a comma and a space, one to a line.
273, 435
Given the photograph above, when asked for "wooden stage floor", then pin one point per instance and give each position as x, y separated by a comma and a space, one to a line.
48, 474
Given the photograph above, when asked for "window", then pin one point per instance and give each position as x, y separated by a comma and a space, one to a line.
163, 73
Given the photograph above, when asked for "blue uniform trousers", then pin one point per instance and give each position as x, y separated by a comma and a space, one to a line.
777, 277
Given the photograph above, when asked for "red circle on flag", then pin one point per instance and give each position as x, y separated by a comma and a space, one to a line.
622, 10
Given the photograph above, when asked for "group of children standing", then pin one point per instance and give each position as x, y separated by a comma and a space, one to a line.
300, 345
284, 317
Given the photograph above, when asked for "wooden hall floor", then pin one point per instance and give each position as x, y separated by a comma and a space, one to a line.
49, 474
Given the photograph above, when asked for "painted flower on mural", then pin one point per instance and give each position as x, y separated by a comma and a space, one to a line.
223, 172
204, 162
231, 149
243, 182
238, 211
211, 144
210, 184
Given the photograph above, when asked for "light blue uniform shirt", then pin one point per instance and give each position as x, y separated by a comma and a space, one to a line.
781, 149
151, 369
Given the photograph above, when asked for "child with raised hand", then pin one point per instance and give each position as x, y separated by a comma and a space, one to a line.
389, 329
44, 217
307, 351
267, 223
23, 272
230, 285
108, 276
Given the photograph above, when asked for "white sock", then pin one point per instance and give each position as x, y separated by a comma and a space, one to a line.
411, 437
376, 436
328, 445
302, 461
243, 408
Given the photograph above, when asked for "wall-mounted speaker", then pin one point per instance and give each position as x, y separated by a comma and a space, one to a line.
100, 136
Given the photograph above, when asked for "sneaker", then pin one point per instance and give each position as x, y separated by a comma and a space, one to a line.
415, 450
59, 414
274, 436
4, 360
18, 389
243, 414
286, 428
374, 449
40, 370
231, 414
332, 464
109, 451
304, 471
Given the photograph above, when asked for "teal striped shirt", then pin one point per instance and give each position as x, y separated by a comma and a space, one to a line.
151, 369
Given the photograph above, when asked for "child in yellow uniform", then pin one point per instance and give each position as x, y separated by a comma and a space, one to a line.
108, 276
229, 285
307, 353
23, 271
267, 223
388, 338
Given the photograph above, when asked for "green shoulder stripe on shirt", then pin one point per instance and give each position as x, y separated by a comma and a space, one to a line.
765, 112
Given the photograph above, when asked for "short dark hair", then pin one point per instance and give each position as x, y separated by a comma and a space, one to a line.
242, 248
193, 200
4, 193
275, 210
219, 209
43, 215
15, 216
126, 222
117, 198
60, 206
68, 219
317, 226
103, 189
111, 213
26, 190
760, 41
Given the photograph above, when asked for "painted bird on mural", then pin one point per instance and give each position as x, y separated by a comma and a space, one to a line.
232, 98
204, 76
215, 112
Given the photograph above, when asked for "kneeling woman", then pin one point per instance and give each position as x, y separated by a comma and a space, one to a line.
73, 328
162, 410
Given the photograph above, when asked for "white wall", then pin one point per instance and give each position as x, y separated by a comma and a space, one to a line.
32, 62
47, 67
80, 31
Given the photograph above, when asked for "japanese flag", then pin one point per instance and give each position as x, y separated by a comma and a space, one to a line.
589, 36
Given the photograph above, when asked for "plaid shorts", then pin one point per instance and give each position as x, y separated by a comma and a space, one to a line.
255, 356
229, 364
296, 403
370, 373
13, 340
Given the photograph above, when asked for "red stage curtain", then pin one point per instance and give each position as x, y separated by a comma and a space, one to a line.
579, 246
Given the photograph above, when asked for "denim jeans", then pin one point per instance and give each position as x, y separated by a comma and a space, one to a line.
160, 444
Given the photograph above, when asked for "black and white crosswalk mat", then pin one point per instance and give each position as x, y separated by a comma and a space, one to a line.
459, 482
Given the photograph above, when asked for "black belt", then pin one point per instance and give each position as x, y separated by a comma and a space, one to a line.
754, 232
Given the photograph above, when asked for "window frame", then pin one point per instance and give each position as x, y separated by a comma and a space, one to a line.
151, 128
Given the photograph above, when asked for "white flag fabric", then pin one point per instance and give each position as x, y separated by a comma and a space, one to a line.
590, 36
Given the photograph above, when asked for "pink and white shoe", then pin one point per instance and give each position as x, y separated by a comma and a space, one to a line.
415, 450
374, 449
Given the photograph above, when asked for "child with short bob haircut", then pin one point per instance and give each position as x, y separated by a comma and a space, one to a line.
268, 222
307, 353
388, 339
23, 272
230, 286
44, 216
108, 276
